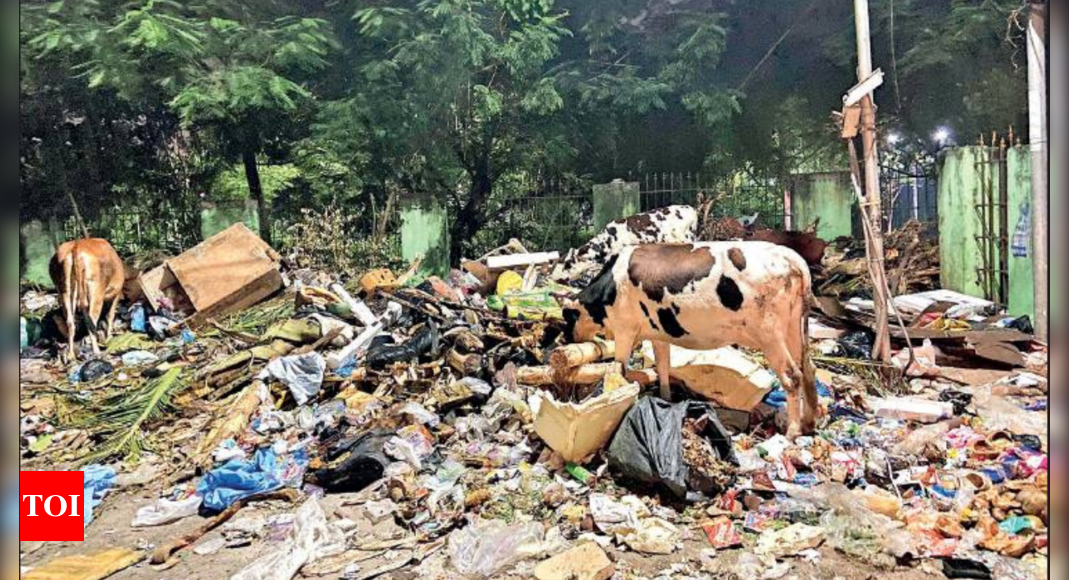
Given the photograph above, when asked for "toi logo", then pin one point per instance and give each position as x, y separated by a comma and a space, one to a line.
51, 506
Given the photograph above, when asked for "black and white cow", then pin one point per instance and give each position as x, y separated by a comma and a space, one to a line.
671, 224
701, 296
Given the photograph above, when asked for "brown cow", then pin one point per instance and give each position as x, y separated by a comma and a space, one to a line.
703, 296
87, 273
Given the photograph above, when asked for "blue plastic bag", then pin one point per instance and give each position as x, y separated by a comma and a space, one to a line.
240, 478
98, 480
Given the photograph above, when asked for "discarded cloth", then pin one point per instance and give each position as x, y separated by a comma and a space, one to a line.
239, 478
302, 374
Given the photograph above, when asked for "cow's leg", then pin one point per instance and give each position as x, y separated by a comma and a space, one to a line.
69, 304
662, 356
798, 345
779, 358
111, 318
96, 308
625, 341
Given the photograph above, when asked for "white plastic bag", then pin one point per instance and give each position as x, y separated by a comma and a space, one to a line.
489, 546
166, 511
311, 539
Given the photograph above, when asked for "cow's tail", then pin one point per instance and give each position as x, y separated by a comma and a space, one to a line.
83, 290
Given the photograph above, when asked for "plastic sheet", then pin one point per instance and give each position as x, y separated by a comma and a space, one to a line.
489, 546
648, 446
166, 511
99, 479
302, 374
311, 538
238, 478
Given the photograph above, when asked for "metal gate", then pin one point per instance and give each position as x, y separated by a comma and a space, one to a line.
992, 210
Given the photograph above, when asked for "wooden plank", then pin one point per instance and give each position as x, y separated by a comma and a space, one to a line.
514, 260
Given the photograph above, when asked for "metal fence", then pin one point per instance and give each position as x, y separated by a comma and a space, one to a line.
133, 231
910, 195
551, 214
764, 201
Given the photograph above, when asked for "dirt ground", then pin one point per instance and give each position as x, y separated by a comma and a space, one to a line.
111, 528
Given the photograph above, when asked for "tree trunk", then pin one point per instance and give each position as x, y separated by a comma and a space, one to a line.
472, 216
252, 176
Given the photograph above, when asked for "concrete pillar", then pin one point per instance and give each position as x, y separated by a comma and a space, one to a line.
425, 231
1019, 195
39, 241
828, 196
615, 200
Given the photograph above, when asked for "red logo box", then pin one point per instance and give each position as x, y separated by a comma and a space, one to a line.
51, 506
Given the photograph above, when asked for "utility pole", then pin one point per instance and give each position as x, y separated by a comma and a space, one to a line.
881, 348
1038, 140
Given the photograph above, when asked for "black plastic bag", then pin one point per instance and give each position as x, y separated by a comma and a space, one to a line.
857, 344
424, 342
648, 446
965, 568
94, 369
364, 464
1023, 324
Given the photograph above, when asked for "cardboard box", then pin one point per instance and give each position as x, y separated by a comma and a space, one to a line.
229, 271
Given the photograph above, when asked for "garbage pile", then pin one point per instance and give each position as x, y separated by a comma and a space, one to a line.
449, 411
911, 260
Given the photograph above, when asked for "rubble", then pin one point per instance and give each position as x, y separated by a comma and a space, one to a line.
401, 422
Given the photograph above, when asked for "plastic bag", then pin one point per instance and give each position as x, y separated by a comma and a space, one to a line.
138, 357
424, 342
99, 479
362, 463
489, 546
857, 344
302, 374
166, 511
999, 413
238, 478
648, 446
411, 445
310, 539
854, 529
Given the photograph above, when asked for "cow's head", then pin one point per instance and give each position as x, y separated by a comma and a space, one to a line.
586, 315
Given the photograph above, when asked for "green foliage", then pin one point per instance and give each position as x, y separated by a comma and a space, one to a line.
230, 184
151, 104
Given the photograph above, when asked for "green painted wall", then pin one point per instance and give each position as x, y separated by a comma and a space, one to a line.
216, 218
828, 196
960, 185
425, 230
1019, 192
38, 242
615, 200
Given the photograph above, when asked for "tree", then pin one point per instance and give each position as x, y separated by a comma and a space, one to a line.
471, 75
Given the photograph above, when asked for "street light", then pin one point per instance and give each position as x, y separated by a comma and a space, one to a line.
941, 135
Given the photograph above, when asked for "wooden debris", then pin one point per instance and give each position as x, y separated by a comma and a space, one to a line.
164, 552
573, 355
584, 375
